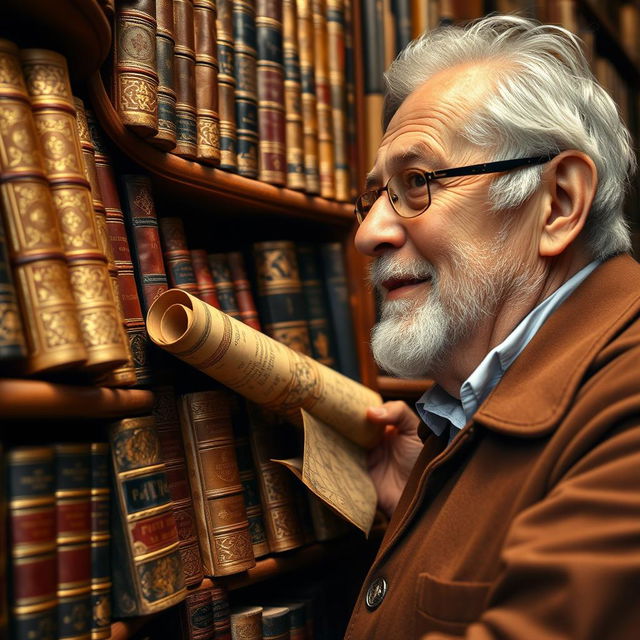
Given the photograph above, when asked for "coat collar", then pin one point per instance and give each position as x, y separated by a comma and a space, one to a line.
537, 389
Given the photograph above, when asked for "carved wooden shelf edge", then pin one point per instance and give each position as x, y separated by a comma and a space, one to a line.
402, 388
28, 399
206, 182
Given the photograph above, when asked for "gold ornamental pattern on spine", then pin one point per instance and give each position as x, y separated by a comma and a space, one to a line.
41, 273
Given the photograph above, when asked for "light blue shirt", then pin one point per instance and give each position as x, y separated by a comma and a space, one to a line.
440, 411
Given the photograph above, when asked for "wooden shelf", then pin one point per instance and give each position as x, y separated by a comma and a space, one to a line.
29, 399
402, 388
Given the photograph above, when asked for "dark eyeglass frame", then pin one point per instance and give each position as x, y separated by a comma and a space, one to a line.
471, 170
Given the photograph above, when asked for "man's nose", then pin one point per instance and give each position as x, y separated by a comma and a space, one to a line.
381, 230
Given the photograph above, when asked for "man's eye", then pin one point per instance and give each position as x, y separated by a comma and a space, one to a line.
416, 180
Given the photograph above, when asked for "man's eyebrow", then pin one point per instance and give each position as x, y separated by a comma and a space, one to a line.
418, 153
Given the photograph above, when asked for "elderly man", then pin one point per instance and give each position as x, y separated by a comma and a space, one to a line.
494, 217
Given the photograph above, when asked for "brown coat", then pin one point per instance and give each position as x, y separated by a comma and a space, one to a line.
528, 525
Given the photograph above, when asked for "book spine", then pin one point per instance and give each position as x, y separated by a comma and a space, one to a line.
210, 449
221, 613
117, 235
165, 412
308, 90
401, 10
245, 49
47, 81
208, 117
350, 89
204, 278
185, 79
242, 288
246, 623
293, 98
280, 298
221, 274
272, 161
165, 48
335, 32
100, 542
73, 525
323, 100
297, 620
135, 66
32, 541
147, 567
226, 86
177, 258
52, 329
196, 616
140, 215
275, 623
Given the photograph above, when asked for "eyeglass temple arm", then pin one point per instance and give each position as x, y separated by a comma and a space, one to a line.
489, 167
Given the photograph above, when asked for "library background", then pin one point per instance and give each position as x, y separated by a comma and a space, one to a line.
214, 146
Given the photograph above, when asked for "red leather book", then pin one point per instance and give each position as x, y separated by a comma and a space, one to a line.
177, 258
204, 278
242, 288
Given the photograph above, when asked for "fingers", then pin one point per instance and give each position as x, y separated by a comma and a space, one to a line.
396, 413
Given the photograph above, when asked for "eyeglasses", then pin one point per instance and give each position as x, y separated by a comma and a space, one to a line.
409, 191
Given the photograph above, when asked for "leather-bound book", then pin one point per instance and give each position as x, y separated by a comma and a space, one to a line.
323, 97
335, 32
321, 333
297, 620
226, 86
185, 79
221, 613
272, 160
147, 566
117, 235
100, 541
207, 114
242, 288
196, 616
177, 258
140, 216
12, 344
135, 72
401, 10
47, 81
335, 281
275, 623
165, 46
308, 96
219, 265
73, 531
245, 51
51, 326
215, 482
350, 90
280, 299
293, 97
31, 499
125, 375
246, 623
165, 412
204, 278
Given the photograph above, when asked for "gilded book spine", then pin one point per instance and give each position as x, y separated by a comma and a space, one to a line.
308, 90
52, 330
206, 286
224, 284
135, 66
323, 95
177, 258
292, 96
272, 161
47, 81
31, 498
246, 623
208, 117
245, 47
196, 616
147, 567
242, 288
185, 79
216, 487
221, 613
117, 234
165, 46
226, 86
165, 412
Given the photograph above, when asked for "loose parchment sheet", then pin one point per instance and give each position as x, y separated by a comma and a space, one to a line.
271, 374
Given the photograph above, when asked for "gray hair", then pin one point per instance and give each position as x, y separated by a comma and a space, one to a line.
544, 100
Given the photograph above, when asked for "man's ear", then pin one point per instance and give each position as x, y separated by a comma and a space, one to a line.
570, 181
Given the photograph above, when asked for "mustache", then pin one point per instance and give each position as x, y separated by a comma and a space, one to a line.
387, 267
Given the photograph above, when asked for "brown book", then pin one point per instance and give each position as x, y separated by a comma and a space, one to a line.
185, 79
215, 482
226, 86
242, 289
206, 74
177, 258
52, 329
165, 412
246, 623
206, 286
117, 235
323, 96
135, 73
221, 621
272, 161
293, 97
196, 616
47, 81
221, 274
353, 147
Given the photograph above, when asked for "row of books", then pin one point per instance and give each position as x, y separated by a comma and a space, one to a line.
264, 88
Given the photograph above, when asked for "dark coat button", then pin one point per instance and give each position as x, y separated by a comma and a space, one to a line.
375, 593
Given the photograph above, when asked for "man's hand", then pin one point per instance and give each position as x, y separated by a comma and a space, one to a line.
392, 460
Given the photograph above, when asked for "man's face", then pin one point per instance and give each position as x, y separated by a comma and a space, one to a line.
443, 274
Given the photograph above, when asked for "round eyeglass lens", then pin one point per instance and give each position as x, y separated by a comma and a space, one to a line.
409, 192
